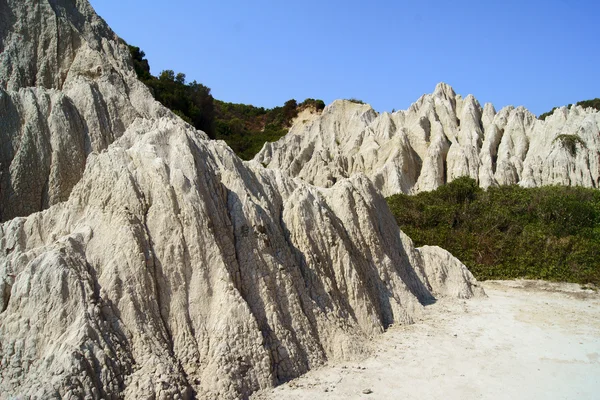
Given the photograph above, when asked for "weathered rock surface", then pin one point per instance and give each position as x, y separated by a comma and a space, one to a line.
67, 88
162, 266
445, 275
174, 268
439, 138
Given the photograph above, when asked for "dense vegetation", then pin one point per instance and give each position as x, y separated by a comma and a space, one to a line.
595, 103
509, 232
192, 101
245, 128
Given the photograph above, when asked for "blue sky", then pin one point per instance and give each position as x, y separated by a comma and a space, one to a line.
387, 53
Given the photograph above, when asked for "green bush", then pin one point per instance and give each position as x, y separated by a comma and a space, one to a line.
140, 64
547, 114
192, 102
594, 103
246, 128
509, 232
357, 101
316, 104
570, 143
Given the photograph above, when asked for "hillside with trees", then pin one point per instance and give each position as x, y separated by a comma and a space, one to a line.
594, 103
245, 128
192, 101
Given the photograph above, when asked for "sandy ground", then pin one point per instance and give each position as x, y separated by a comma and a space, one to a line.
527, 340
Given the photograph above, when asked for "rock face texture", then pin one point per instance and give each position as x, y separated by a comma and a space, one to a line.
66, 89
174, 268
439, 138
162, 266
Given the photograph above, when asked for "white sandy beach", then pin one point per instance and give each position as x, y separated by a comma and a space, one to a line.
526, 340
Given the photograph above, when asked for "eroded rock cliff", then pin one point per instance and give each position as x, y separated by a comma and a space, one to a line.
162, 266
439, 138
175, 268
67, 88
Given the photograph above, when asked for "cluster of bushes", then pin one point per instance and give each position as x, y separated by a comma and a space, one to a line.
317, 104
245, 128
356, 101
595, 103
509, 232
191, 101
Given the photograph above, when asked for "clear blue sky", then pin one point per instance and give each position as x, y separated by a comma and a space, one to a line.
388, 53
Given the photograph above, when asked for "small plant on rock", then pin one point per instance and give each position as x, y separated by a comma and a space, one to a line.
570, 142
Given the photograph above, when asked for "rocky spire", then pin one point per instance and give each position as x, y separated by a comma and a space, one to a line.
440, 137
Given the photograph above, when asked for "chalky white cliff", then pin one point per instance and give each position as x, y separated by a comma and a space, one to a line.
439, 138
140, 260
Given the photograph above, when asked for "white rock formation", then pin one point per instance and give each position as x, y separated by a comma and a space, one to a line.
162, 266
439, 138
176, 268
66, 89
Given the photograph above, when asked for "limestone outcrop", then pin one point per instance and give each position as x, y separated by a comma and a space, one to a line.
439, 138
161, 265
67, 88
175, 268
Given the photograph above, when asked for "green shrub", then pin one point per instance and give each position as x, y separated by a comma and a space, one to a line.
509, 232
547, 114
357, 101
318, 105
570, 142
594, 103
192, 102
140, 64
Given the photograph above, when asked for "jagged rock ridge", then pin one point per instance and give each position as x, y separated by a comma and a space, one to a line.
439, 138
162, 266
67, 88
